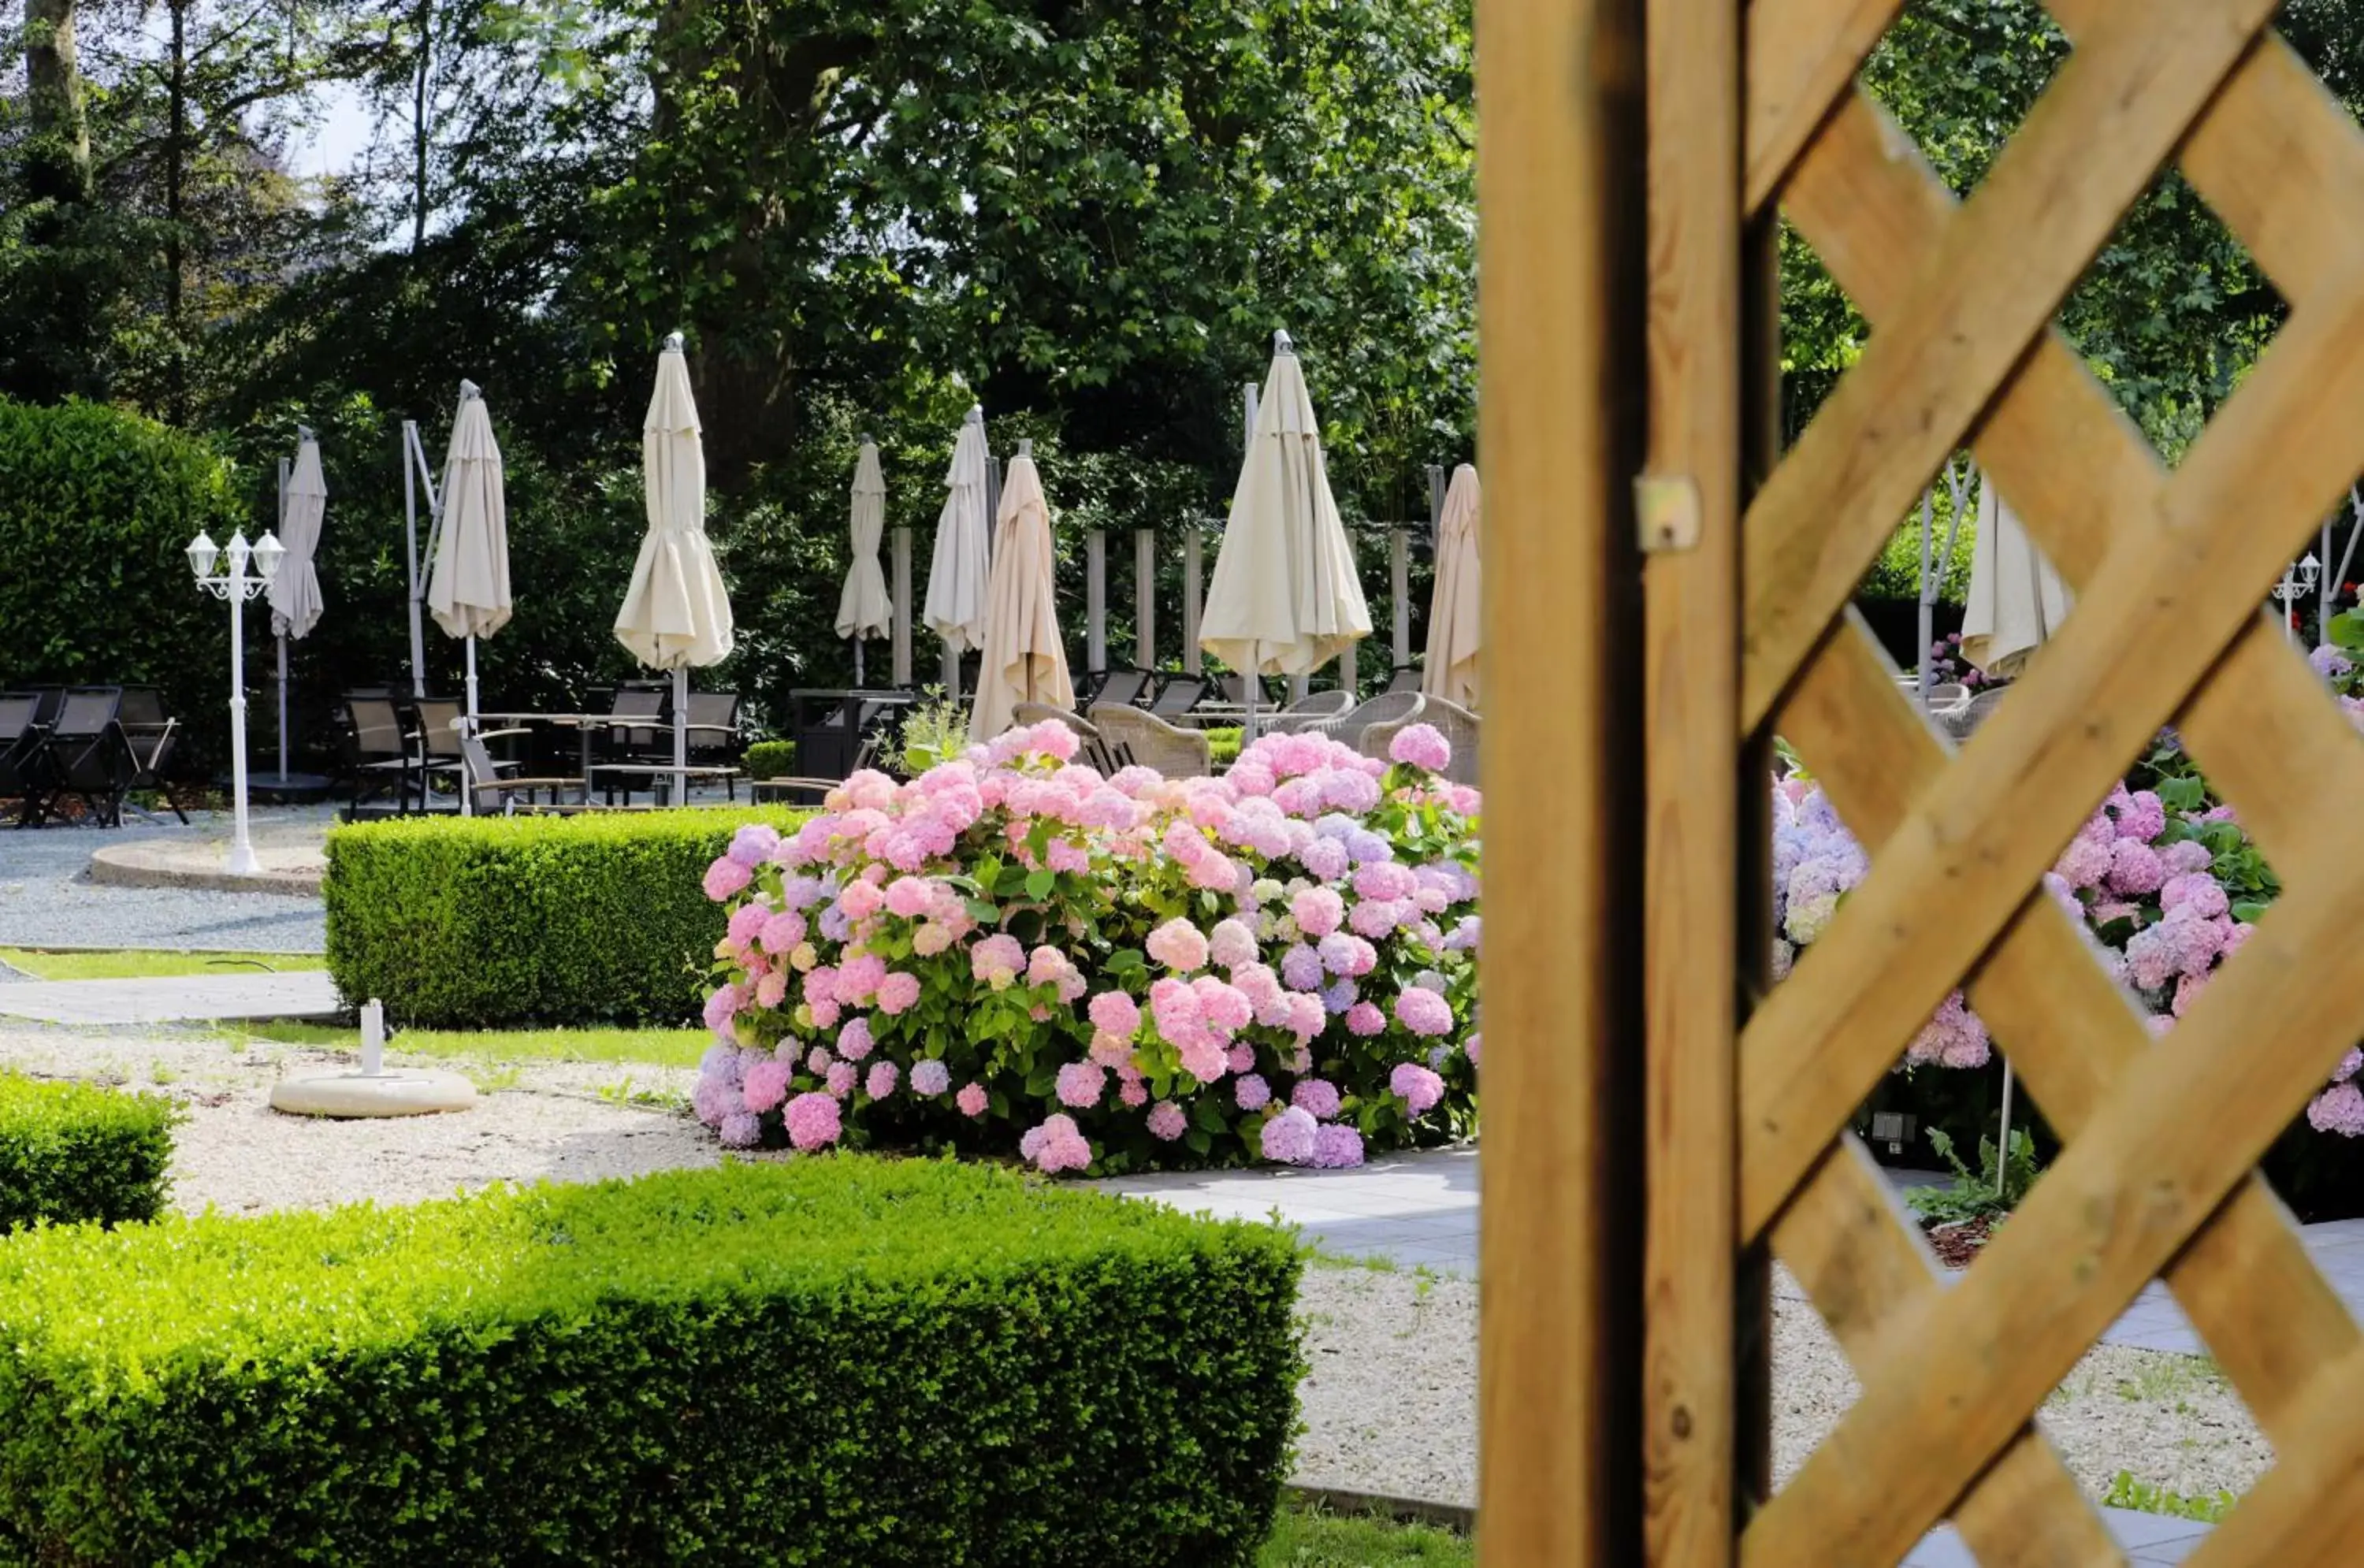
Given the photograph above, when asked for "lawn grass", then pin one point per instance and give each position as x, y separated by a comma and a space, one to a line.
1308, 1539
128, 963
655, 1048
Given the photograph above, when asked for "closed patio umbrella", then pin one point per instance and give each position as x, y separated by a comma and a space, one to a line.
1284, 598
1451, 671
2016, 599
295, 592
863, 610
468, 585
676, 613
955, 607
1024, 658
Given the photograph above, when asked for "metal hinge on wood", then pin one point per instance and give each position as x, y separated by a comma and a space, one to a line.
1667, 510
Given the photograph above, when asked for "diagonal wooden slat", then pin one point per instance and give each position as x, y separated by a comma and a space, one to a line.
2122, 1199
2051, 199
2247, 1281
1942, 886
1801, 55
1867, 1270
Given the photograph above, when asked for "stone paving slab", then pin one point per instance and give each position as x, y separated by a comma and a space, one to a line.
174, 998
2149, 1540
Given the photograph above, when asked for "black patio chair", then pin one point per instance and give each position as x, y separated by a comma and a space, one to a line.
154, 738
377, 748
714, 737
85, 757
435, 744
1128, 687
21, 734
1178, 695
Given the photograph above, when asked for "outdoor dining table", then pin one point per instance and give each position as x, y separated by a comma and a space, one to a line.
584, 723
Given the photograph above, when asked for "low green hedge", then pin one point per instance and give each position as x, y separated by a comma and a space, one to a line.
771, 759
73, 1152
830, 1362
498, 920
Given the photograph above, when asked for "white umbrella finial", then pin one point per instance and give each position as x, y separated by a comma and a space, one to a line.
672, 342
468, 389
977, 413
1281, 343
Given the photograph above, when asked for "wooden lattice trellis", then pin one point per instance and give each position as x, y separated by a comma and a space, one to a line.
2162, 1137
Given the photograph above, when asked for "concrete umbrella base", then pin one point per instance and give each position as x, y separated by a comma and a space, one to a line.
350, 1095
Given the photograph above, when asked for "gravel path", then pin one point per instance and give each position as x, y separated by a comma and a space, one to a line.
46, 898
1391, 1403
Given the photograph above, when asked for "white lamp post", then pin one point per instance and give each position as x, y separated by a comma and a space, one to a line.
2297, 583
233, 583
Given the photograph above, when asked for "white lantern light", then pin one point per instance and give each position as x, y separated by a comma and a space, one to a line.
203, 552
267, 554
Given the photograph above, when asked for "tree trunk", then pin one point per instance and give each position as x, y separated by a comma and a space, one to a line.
176, 386
58, 161
418, 128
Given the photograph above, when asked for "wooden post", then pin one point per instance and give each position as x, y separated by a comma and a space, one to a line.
1691, 592
903, 607
1096, 600
1561, 247
1144, 598
1400, 593
1193, 561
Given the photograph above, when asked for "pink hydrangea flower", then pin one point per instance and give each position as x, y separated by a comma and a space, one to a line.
840, 1078
1057, 1145
1318, 1098
723, 1006
998, 961
930, 1077
772, 990
860, 901
2189, 855
781, 932
1289, 1137
1424, 1012
1239, 1058
1179, 945
884, 1076
1419, 1088
1422, 746
898, 992
2084, 863
746, 922
1232, 944
766, 1085
2339, 1109
1251, 1093
1469, 1049
1202, 1058
1114, 1013
753, 844
2135, 868
971, 1099
1081, 1084
854, 1041
1365, 1019
1336, 1147
725, 879
2201, 892
1167, 1121
1306, 1014
910, 897
812, 1122
1223, 1007
1317, 911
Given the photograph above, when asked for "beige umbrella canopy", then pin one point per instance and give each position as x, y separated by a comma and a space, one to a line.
1284, 598
295, 590
1024, 658
955, 609
676, 613
468, 585
1454, 613
2016, 600
863, 610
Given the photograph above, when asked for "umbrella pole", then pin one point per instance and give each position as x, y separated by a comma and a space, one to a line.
681, 735
410, 538
857, 663
1248, 695
1928, 621
2002, 1150
283, 707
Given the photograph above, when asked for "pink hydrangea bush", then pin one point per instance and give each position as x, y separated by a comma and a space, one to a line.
1277, 964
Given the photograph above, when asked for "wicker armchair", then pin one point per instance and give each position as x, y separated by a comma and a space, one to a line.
1450, 720
1388, 707
1306, 712
1135, 738
1094, 752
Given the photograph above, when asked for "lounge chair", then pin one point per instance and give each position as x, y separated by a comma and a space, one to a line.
84, 755
1178, 695
1407, 678
1129, 687
21, 733
153, 738
1134, 738
1306, 711
378, 751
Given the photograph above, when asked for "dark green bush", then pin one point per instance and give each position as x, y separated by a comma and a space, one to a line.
74, 1152
96, 508
833, 1362
771, 759
498, 921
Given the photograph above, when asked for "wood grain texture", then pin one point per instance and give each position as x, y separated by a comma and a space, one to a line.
1868, 1272
1689, 1437
1561, 251
2089, 147
1802, 59
1942, 886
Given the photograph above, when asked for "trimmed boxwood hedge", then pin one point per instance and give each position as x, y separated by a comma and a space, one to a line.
74, 1152
484, 922
832, 1360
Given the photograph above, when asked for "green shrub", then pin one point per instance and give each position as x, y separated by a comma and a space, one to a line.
835, 1362
73, 1152
110, 501
771, 759
1224, 741
487, 921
